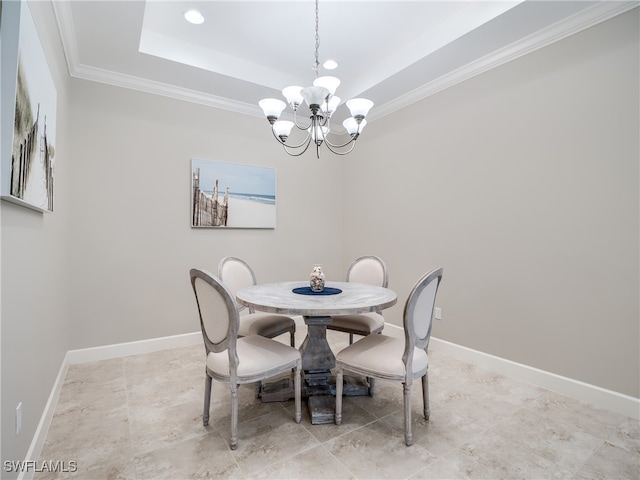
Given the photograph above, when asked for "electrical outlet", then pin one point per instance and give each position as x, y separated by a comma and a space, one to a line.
438, 313
18, 418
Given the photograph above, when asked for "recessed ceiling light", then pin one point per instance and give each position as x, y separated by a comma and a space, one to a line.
193, 16
330, 64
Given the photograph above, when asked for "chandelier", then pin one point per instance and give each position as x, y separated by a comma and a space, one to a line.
322, 102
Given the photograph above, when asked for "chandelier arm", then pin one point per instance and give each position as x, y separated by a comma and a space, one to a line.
325, 122
301, 127
336, 149
351, 140
295, 122
287, 148
306, 140
333, 148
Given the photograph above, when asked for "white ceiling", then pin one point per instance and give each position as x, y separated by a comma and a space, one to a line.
392, 52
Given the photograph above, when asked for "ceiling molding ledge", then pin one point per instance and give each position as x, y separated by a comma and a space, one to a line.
563, 29
64, 19
158, 88
560, 30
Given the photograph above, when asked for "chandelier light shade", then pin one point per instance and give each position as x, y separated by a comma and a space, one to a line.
272, 108
322, 103
330, 83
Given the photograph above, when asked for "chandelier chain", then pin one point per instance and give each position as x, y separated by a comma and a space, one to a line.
316, 65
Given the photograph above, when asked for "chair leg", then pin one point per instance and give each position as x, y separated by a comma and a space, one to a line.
350, 338
408, 437
258, 389
297, 393
207, 399
425, 395
372, 385
292, 334
339, 380
372, 381
234, 416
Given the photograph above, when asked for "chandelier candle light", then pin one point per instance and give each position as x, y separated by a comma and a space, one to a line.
322, 102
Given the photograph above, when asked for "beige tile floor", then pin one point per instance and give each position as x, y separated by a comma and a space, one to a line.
140, 417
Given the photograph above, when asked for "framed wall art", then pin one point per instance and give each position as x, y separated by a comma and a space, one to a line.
232, 195
29, 100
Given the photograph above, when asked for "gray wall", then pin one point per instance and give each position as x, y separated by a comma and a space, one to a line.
35, 277
523, 184
130, 231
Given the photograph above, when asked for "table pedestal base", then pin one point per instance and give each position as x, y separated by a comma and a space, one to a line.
277, 391
317, 357
318, 384
354, 386
317, 362
282, 390
322, 409
322, 401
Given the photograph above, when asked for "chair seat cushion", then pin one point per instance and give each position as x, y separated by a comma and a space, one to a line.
382, 356
265, 324
256, 355
360, 324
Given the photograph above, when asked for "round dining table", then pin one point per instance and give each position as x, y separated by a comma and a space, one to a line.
317, 309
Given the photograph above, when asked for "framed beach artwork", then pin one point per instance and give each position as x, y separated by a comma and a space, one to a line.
29, 102
232, 195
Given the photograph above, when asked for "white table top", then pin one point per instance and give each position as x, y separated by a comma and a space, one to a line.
279, 298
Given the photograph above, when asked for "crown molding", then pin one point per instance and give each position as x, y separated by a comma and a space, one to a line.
589, 17
64, 19
574, 24
159, 88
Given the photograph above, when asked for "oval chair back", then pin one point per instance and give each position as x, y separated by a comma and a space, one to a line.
250, 359
396, 359
418, 316
218, 313
371, 270
368, 269
236, 275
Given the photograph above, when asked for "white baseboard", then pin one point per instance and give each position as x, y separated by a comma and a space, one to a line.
596, 396
118, 350
584, 392
94, 354
40, 435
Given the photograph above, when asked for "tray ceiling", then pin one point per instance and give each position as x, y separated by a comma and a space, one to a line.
393, 52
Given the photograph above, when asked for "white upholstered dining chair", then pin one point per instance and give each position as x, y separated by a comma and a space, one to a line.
371, 270
402, 360
236, 360
236, 274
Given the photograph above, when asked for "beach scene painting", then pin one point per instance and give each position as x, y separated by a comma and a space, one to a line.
29, 178
232, 195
